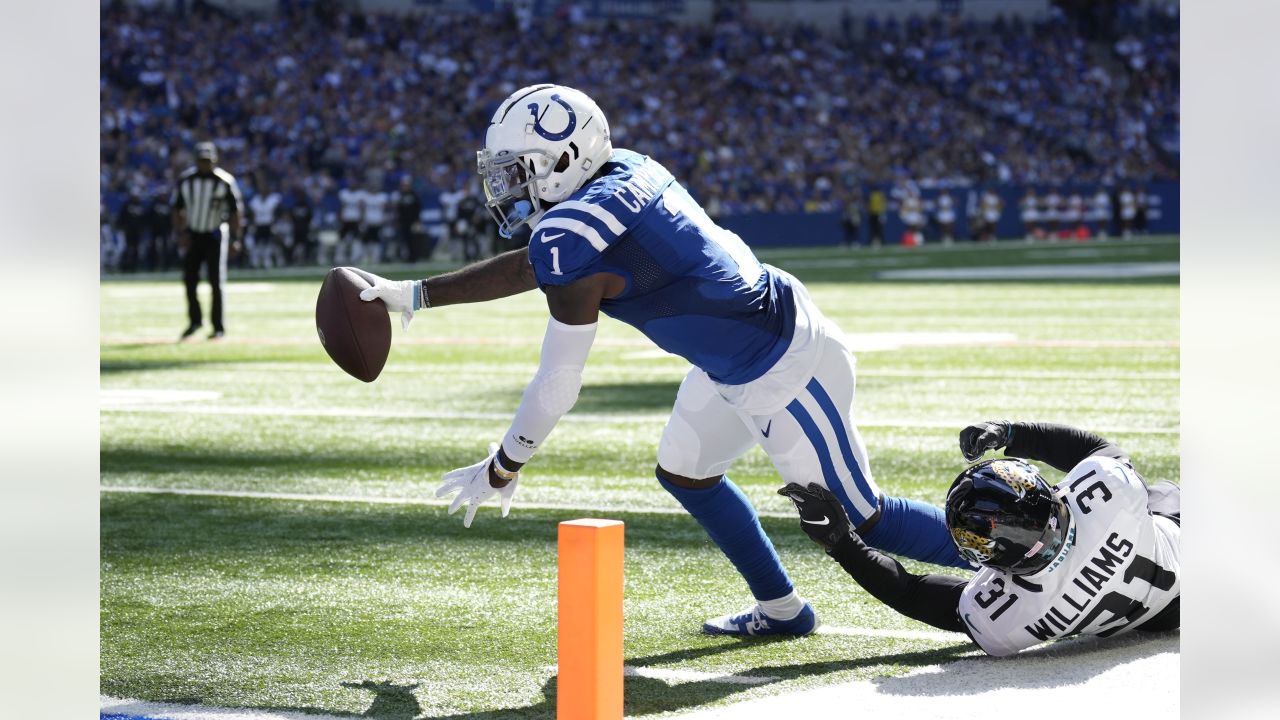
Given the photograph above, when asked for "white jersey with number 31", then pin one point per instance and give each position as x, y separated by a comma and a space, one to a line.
1118, 568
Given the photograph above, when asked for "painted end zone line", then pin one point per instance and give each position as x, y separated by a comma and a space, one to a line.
376, 500
686, 676
145, 710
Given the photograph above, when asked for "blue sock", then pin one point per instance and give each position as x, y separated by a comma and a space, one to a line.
724, 512
916, 530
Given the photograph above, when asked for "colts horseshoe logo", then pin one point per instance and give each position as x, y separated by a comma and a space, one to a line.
553, 136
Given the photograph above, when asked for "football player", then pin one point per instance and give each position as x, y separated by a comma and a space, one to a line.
611, 231
1099, 553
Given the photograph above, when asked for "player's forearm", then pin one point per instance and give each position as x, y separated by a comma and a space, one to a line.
501, 276
1061, 446
552, 392
931, 599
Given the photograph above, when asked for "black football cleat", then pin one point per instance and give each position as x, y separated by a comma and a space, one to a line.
217, 334
186, 334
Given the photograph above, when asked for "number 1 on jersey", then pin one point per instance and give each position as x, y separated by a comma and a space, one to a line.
555, 261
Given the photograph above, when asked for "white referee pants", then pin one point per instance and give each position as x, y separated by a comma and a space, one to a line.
812, 439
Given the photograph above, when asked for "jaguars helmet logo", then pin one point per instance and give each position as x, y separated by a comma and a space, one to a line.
1016, 475
972, 545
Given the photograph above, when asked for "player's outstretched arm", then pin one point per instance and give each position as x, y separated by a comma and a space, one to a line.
1061, 446
931, 599
500, 276
497, 277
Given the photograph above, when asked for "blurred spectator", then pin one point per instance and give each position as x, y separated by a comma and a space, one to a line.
469, 226
1140, 210
911, 212
1100, 212
1073, 216
992, 209
946, 217
265, 248
1051, 212
1128, 211
408, 214
1030, 208
851, 220
161, 253
375, 223
351, 199
877, 206
133, 223
301, 217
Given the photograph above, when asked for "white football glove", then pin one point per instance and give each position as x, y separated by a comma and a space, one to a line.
472, 482
402, 296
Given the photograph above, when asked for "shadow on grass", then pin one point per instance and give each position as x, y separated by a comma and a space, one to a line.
390, 701
648, 696
620, 397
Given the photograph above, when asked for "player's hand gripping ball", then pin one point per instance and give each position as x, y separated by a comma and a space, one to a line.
355, 333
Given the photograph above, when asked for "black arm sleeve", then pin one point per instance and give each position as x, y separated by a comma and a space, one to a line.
1062, 446
931, 599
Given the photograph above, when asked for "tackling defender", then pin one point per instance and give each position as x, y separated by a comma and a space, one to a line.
1097, 554
612, 231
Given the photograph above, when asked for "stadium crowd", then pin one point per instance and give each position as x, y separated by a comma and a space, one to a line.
315, 99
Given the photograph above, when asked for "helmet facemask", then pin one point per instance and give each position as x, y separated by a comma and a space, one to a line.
509, 179
543, 144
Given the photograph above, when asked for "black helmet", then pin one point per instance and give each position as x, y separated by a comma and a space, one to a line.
1003, 515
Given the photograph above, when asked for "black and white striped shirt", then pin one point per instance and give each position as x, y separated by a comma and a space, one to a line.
208, 199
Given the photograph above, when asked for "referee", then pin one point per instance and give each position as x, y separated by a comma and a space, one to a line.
206, 214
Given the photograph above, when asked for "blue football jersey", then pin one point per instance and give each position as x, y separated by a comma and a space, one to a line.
692, 287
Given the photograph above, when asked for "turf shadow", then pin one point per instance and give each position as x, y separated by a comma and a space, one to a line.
390, 701
159, 526
648, 696
620, 397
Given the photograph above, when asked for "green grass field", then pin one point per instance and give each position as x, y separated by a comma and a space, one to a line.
391, 609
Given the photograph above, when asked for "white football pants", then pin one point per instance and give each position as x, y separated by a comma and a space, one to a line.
812, 439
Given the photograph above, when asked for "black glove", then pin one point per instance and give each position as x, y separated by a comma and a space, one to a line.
981, 437
822, 517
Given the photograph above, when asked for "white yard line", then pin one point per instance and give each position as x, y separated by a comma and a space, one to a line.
1090, 271
112, 405
677, 677
381, 500
175, 711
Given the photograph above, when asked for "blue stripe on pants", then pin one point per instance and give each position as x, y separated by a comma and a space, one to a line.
819, 444
846, 448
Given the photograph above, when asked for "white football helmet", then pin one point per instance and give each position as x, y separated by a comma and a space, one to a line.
543, 143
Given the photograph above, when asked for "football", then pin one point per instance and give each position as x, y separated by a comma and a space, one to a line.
355, 333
